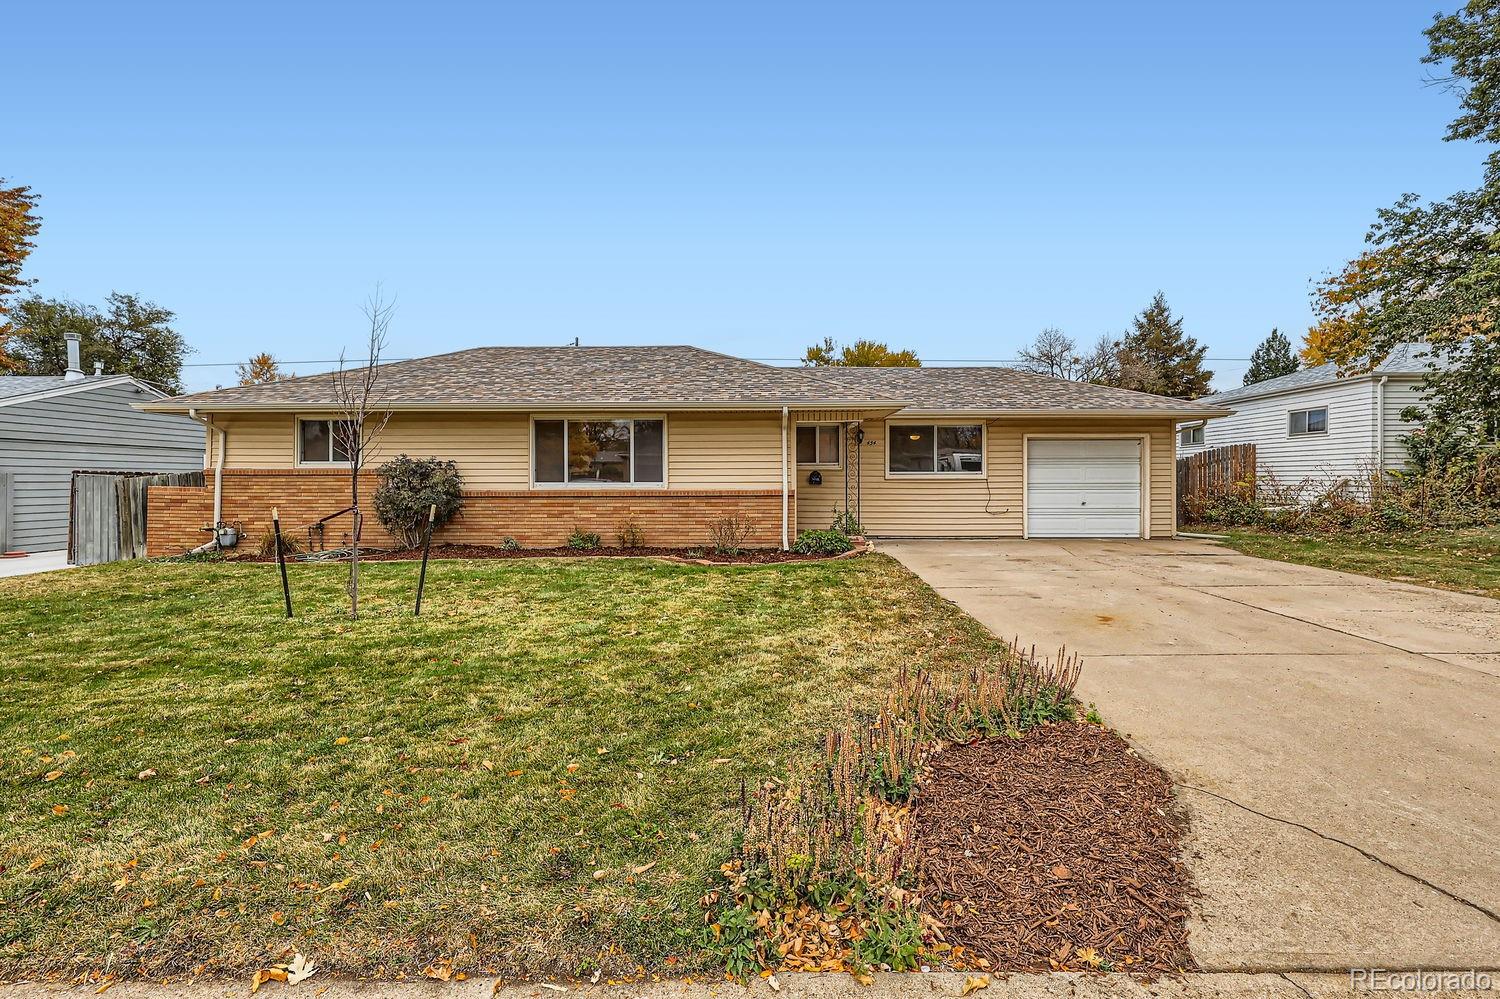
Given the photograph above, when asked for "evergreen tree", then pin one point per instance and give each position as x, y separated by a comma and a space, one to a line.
1272, 359
1157, 356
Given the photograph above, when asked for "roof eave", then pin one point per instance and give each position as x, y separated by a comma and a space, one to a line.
186, 404
1199, 412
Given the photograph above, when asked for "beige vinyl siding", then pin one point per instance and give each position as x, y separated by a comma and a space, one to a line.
973, 507
493, 450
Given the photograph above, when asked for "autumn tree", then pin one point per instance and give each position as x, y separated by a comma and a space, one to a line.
1272, 359
18, 224
1341, 304
261, 369
1157, 356
130, 335
859, 354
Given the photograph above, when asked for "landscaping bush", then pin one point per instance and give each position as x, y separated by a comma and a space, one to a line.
583, 540
630, 535
846, 523
267, 544
509, 544
822, 543
728, 535
408, 487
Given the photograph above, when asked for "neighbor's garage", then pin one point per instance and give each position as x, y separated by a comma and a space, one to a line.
1083, 488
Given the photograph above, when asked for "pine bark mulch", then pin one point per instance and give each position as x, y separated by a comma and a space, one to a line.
749, 556
1058, 850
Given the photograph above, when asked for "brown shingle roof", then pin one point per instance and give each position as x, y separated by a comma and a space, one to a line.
517, 377
687, 377
993, 389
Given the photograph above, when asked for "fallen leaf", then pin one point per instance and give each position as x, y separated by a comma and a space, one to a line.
1061, 872
554, 988
52, 775
342, 740
59, 809
599, 875
440, 971
300, 969
772, 981
643, 868
146, 774
974, 983
278, 917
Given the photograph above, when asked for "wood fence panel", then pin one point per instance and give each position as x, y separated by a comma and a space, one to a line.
7, 511
108, 521
1207, 475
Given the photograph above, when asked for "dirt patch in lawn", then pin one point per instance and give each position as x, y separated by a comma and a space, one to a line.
1057, 850
754, 556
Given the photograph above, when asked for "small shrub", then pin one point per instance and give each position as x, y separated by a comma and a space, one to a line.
846, 523
822, 543
510, 544
630, 535
408, 487
728, 535
892, 939
267, 546
583, 540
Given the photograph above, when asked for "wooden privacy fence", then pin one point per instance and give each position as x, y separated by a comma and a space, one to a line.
7, 512
107, 513
1221, 471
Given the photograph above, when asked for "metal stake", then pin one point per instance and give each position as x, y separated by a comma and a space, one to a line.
426, 550
286, 589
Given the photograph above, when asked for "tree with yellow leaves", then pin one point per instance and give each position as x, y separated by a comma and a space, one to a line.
260, 370
18, 223
1343, 304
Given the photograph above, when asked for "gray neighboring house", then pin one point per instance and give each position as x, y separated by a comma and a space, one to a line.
54, 425
1316, 426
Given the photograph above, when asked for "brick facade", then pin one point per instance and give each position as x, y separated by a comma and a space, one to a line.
536, 518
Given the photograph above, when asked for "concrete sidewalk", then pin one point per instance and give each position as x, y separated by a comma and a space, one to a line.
791, 986
1336, 738
34, 563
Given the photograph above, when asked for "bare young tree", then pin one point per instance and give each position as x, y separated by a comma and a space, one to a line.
359, 402
1101, 365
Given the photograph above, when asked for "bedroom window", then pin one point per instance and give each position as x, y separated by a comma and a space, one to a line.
599, 452
1191, 435
1301, 422
321, 442
819, 444
925, 449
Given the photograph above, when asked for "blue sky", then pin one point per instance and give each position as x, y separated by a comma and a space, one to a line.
950, 177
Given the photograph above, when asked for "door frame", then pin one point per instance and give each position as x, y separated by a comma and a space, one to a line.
1145, 439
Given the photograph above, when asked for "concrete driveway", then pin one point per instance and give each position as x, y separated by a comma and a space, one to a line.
1336, 738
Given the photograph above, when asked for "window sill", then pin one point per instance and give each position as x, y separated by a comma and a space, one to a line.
585, 486
935, 475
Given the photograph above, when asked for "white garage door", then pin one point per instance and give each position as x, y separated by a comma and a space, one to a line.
1080, 488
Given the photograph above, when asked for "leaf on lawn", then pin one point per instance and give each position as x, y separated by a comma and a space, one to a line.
572, 768
278, 917
439, 971
52, 775
146, 774
342, 740
599, 875
300, 969
59, 809
265, 975
974, 983
643, 868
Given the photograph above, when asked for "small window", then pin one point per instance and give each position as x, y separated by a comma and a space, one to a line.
819, 444
1191, 435
1308, 421
599, 452
935, 450
322, 442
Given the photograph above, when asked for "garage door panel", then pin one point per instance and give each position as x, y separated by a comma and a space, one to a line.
1084, 488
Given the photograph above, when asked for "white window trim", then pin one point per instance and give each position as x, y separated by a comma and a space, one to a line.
1199, 428
1145, 440
984, 449
581, 417
820, 464
297, 422
1291, 434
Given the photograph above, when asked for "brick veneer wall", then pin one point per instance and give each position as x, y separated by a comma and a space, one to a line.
536, 518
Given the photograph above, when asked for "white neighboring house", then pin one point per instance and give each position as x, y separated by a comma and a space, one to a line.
1314, 426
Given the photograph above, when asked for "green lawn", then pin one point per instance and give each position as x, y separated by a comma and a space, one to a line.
539, 774
1467, 560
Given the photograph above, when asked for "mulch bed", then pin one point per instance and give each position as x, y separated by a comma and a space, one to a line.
757, 556
1044, 852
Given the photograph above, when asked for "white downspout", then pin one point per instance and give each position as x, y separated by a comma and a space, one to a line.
1380, 424
785, 507
208, 424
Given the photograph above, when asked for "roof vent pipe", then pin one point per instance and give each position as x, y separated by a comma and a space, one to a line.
75, 365
98, 369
